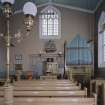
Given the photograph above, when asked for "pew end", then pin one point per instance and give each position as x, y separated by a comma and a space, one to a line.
79, 85
85, 89
95, 98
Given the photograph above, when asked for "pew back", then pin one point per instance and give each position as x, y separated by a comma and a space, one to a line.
79, 93
52, 101
45, 88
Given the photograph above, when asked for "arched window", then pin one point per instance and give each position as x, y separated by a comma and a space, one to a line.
50, 23
78, 52
101, 41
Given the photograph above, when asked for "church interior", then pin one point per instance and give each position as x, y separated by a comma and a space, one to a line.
52, 52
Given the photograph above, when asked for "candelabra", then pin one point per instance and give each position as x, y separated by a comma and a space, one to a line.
30, 11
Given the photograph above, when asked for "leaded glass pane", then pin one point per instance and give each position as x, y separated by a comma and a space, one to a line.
49, 23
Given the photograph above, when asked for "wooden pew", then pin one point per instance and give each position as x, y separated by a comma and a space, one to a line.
48, 84
46, 81
2, 81
97, 86
53, 101
45, 88
55, 97
42, 85
94, 85
58, 81
80, 93
57, 101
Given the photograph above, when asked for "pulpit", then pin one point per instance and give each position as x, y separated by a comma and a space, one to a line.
51, 71
52, 68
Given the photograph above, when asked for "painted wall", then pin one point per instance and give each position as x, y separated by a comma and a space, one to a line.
72, 23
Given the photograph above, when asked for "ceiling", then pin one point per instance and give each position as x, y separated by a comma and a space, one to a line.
89, 5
